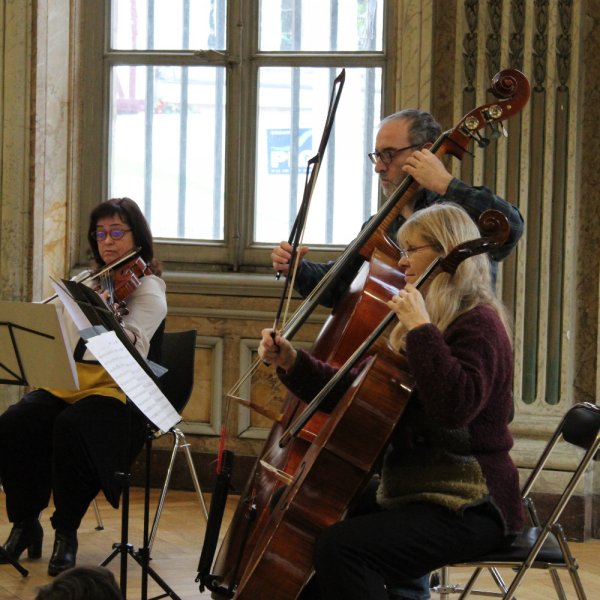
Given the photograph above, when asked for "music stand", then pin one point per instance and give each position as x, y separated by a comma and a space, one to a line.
28, 334
103, 320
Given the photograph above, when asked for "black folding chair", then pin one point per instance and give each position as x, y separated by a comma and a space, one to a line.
543, 545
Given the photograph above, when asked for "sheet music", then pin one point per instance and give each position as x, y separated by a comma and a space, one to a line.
132, 379
76, 314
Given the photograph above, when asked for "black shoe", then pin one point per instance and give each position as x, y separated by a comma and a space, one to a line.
25, 534
64, 552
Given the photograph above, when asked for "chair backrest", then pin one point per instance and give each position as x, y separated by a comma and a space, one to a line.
178, 349
581, 425
155, 349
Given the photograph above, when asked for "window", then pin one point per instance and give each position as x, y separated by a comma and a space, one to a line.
213, 108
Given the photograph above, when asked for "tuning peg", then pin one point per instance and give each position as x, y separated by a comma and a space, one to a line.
496, 133
481, 141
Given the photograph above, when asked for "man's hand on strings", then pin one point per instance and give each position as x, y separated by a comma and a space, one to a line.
281, 255
276, 350
428, 170
409, 306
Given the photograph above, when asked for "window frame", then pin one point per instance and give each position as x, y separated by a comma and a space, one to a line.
242, 61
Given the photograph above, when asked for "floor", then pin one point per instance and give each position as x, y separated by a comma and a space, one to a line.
177, 548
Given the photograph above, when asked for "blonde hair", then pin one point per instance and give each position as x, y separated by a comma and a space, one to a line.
445, 226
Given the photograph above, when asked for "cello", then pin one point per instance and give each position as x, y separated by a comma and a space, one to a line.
349, 446
348, 327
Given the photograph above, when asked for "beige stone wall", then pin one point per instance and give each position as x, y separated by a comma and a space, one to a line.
15, 156
15, 152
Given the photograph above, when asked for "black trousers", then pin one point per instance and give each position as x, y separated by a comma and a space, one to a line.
355, 559
69, 450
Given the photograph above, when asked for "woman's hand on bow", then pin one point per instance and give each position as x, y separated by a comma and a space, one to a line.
276, 350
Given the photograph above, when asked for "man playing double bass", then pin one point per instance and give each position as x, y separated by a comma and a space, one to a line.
400, 150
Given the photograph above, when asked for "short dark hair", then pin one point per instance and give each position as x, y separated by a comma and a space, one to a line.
82, 583
424, 129
130, 213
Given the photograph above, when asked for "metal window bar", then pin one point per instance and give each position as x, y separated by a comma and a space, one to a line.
149, 118
329, 215
183, 124
218, 31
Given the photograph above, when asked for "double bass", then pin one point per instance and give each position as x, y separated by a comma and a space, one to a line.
268, 549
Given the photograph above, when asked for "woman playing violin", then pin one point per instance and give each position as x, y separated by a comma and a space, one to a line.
71, 443
448, 489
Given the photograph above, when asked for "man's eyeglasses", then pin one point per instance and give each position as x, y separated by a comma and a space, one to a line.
386, 156
406, 252
116, 234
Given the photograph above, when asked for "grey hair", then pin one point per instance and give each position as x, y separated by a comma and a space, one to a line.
424, 129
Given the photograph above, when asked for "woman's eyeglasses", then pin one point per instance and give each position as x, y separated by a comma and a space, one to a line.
116, 234
386, 156
406, 252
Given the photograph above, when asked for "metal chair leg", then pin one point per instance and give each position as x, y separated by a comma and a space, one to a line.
100, 524
188, 454
445, 588
179, 442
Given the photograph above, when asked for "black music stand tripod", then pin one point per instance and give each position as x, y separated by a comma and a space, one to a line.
125, 549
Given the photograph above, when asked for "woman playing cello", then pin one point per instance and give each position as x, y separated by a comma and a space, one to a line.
449, 490
70, 443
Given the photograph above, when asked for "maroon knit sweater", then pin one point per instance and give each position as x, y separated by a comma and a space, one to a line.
452, 444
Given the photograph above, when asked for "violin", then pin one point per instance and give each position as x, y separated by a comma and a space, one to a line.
126, 279
121, 281
103, 274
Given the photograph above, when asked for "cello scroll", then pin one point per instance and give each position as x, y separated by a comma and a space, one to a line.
495, 230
